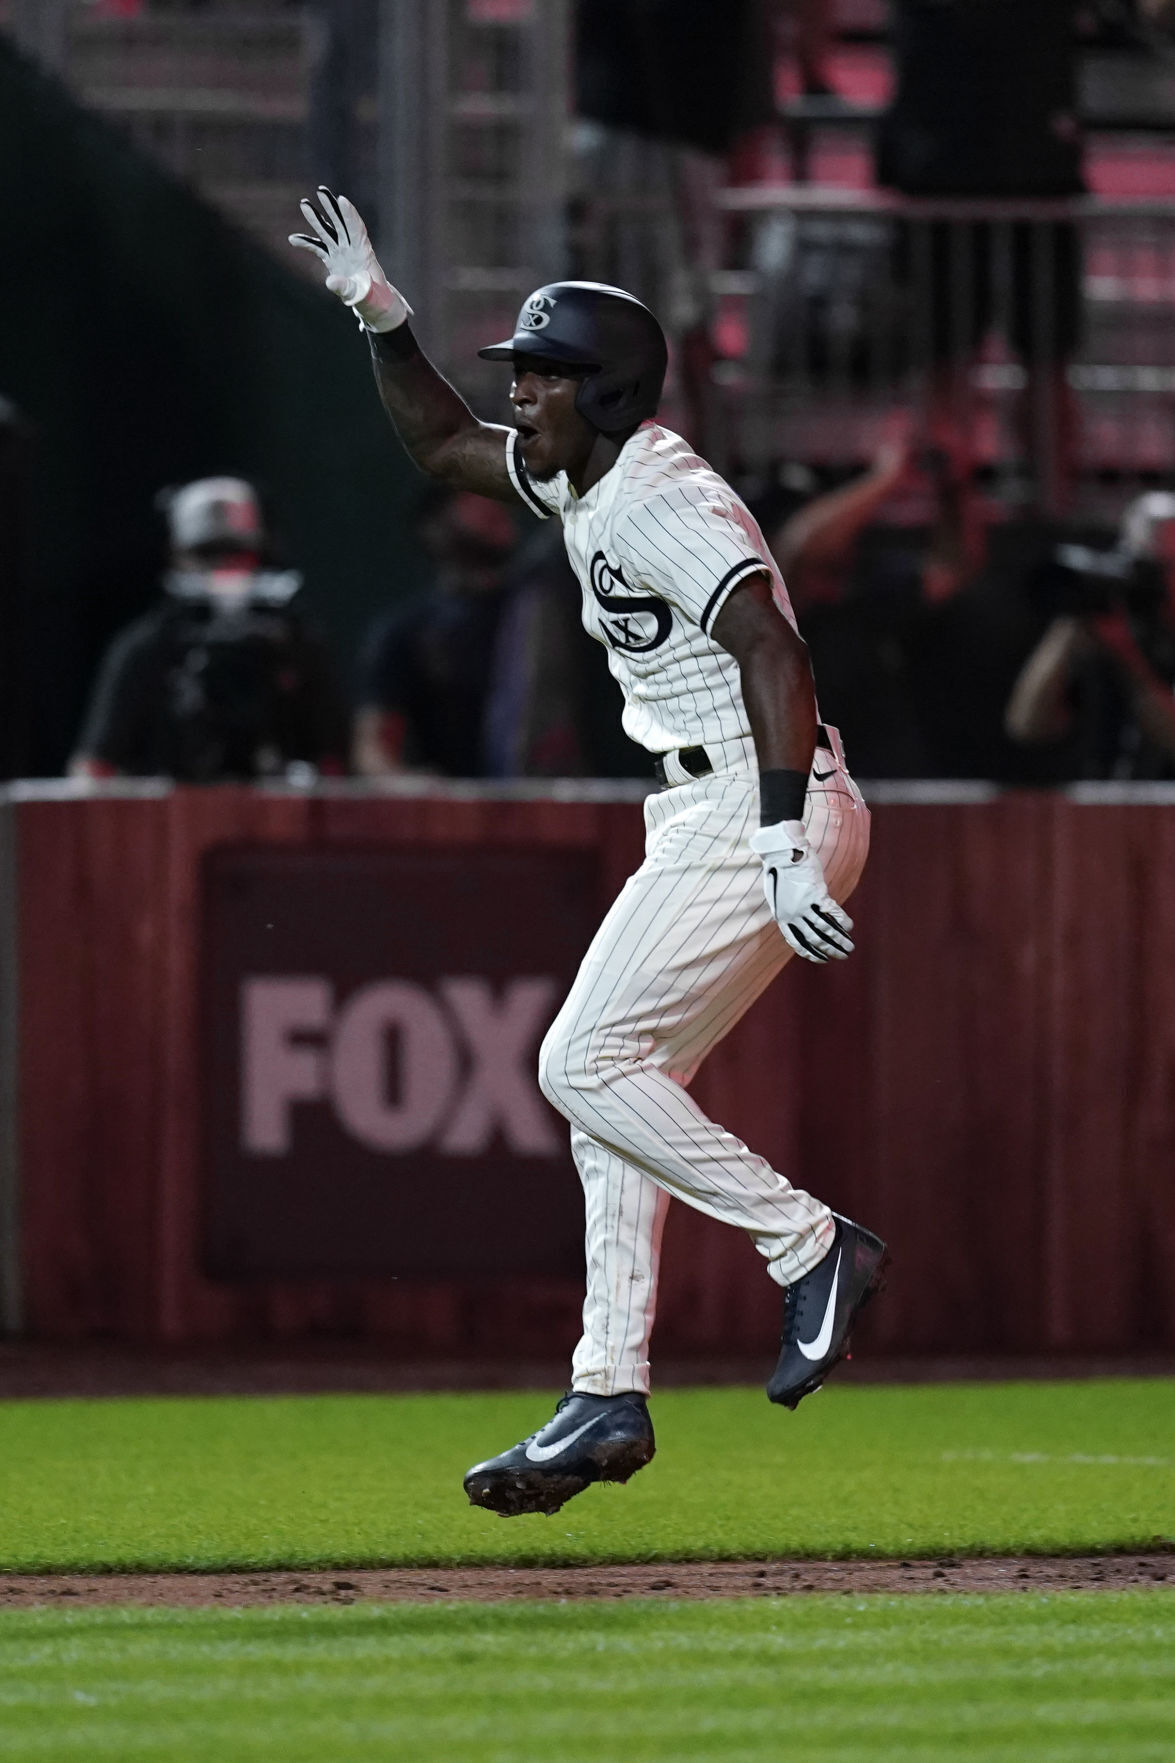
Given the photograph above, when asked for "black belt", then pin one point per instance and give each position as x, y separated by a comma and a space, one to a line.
696, 761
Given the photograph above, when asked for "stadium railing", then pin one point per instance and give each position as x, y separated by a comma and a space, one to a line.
834, 305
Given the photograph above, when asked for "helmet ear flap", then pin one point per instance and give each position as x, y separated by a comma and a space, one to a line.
611, 401
586, 322
617, 396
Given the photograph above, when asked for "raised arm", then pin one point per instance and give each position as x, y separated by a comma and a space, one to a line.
438, 430
1040, 707
820, 536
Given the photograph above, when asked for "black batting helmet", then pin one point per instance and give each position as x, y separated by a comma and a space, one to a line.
605, 330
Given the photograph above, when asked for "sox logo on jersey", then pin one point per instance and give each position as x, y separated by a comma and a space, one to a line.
628, 627
658, 545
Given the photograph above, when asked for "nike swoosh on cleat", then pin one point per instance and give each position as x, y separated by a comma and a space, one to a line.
822, 777
543, 1453
816, 1349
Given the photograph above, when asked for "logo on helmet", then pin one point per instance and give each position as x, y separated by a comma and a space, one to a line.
536, 314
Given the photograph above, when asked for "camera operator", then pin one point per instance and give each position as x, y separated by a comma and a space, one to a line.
1102, 676
222, 681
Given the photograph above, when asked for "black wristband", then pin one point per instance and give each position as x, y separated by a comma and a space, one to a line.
781, 796
397, 345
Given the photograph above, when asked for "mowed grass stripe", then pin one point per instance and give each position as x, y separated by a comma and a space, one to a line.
1065, 1678
338, 1481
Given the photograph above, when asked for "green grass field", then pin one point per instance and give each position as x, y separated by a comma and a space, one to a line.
1080, 1678
372, 1480
349, 1481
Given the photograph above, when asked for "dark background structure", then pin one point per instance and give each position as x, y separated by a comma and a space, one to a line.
147, 342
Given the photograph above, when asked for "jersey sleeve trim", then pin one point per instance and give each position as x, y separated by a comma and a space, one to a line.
714, 605
520, 480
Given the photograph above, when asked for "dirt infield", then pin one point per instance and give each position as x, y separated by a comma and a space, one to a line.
40, 1372
693, 1579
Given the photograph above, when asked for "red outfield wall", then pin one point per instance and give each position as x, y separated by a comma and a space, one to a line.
990, 1081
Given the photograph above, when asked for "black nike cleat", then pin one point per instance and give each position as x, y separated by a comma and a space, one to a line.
820, 1309
590, 1438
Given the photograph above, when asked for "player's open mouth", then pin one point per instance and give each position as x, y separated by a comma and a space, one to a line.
525, 432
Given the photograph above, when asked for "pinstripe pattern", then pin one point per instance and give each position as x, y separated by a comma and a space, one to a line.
687, 948
658, 545
662, 524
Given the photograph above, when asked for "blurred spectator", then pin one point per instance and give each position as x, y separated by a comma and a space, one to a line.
538, 712
667, 92
911, 646
1099, 687
552, 709
488, 672
426, 668
985, 106
223, 680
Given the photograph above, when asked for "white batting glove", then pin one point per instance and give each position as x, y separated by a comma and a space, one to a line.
338, 236
797, 895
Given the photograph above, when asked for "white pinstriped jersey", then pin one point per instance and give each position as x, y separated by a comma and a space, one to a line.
658, 545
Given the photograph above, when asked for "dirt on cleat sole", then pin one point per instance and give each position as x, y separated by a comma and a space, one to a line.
619, 1462
515, 1491
513, 1494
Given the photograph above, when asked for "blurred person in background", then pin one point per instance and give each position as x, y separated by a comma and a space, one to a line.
485, 672
222, 681
904, 623
673, 97
985, 106
1099, 688
425, 668
551, 708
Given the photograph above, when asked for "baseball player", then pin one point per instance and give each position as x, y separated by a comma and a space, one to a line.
756, 838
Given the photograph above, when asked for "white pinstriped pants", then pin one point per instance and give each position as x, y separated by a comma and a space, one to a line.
686, 948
